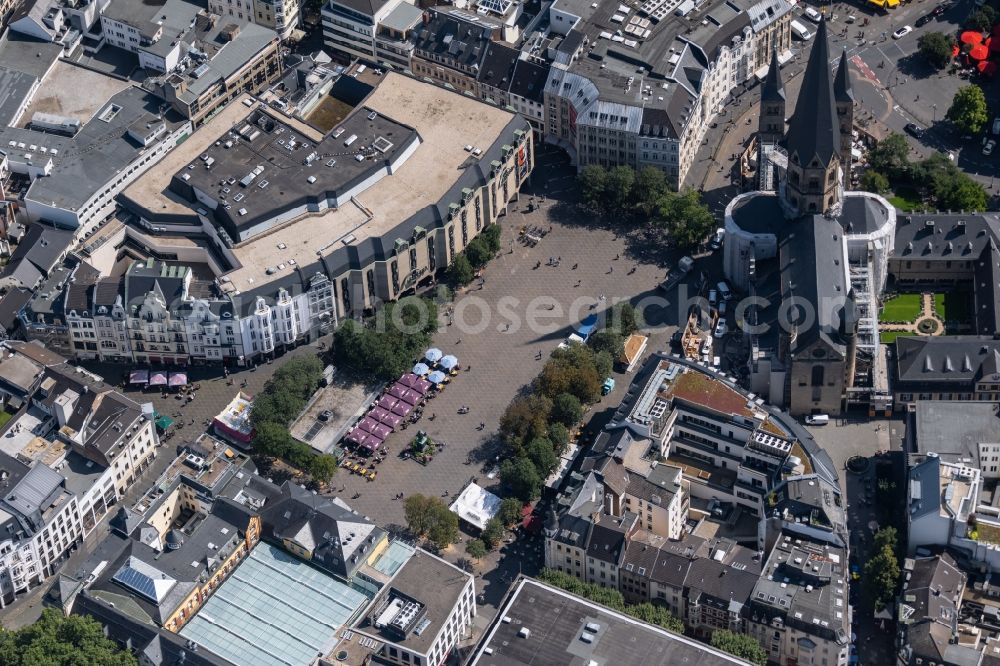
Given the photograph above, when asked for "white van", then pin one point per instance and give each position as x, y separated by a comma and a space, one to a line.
813, 15
800, 31
817, 419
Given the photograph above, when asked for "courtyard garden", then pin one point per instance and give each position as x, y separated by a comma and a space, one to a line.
924, 314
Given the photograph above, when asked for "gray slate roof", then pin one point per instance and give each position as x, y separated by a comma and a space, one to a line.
814, 131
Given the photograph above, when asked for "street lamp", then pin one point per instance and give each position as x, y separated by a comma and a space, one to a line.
934, 107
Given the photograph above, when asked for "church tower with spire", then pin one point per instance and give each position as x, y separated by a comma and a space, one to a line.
813, 183
843, 92
771, 126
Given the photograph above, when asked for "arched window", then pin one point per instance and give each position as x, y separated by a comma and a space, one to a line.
817, 375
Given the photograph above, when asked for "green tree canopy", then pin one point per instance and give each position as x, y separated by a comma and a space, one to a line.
593, 181
957, 191
461, 272
559, 436
566, 409
890, 156
743, 646
491, 236
476, 549
618, 189
492, 533
625, 319
541, 453
982, 19
935, 48
55, 640
510, 511
875, 182
525, 418
649, 187
429, 516
478, 252
685, 218
968, 109
520, 475
656, 615
607, 340
323, 467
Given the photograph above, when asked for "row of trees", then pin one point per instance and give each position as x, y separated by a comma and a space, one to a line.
278, 405
739, 645
881, 574
644, 612
54, 640
386, 345
535, 426
936, 178
429, 517
476, 254
645, 197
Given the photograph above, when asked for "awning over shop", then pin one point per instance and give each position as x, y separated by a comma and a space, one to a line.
158, 379
178, 379
164, 422
138, 377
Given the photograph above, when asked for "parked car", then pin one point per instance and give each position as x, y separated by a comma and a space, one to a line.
924, 20
713, 297
817, 419
902, 32
989, 146
717, 239
812, 15
721, 329
724, 290
996, 125
913, 130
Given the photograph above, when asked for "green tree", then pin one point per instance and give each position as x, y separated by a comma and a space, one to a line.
272, 439
444, 530
541, 453
604, 363
657, 615
491, 236
873, 181
492, 533
418, 510
477, 252
890, 156
430, 517
625, 318
323, 467
476, 549
618, 189
54, 640
887, 537
957, 191
685, 218
593, 181
968, 109
525, 418
881, 576
982, 19
510, 511
650, 186
520, 475
461, 272
607, 340
935, 48
566, 409
739, 645
559, 436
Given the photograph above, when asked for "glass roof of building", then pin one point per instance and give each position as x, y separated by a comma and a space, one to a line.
274, 610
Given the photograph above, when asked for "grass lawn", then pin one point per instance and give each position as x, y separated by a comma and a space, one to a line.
4, 417
889, 337
906, 200
904, 307
952, 306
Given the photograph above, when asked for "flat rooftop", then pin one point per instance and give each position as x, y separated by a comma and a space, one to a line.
73, 91
274, 610
416, 193
346, 400
556, 623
